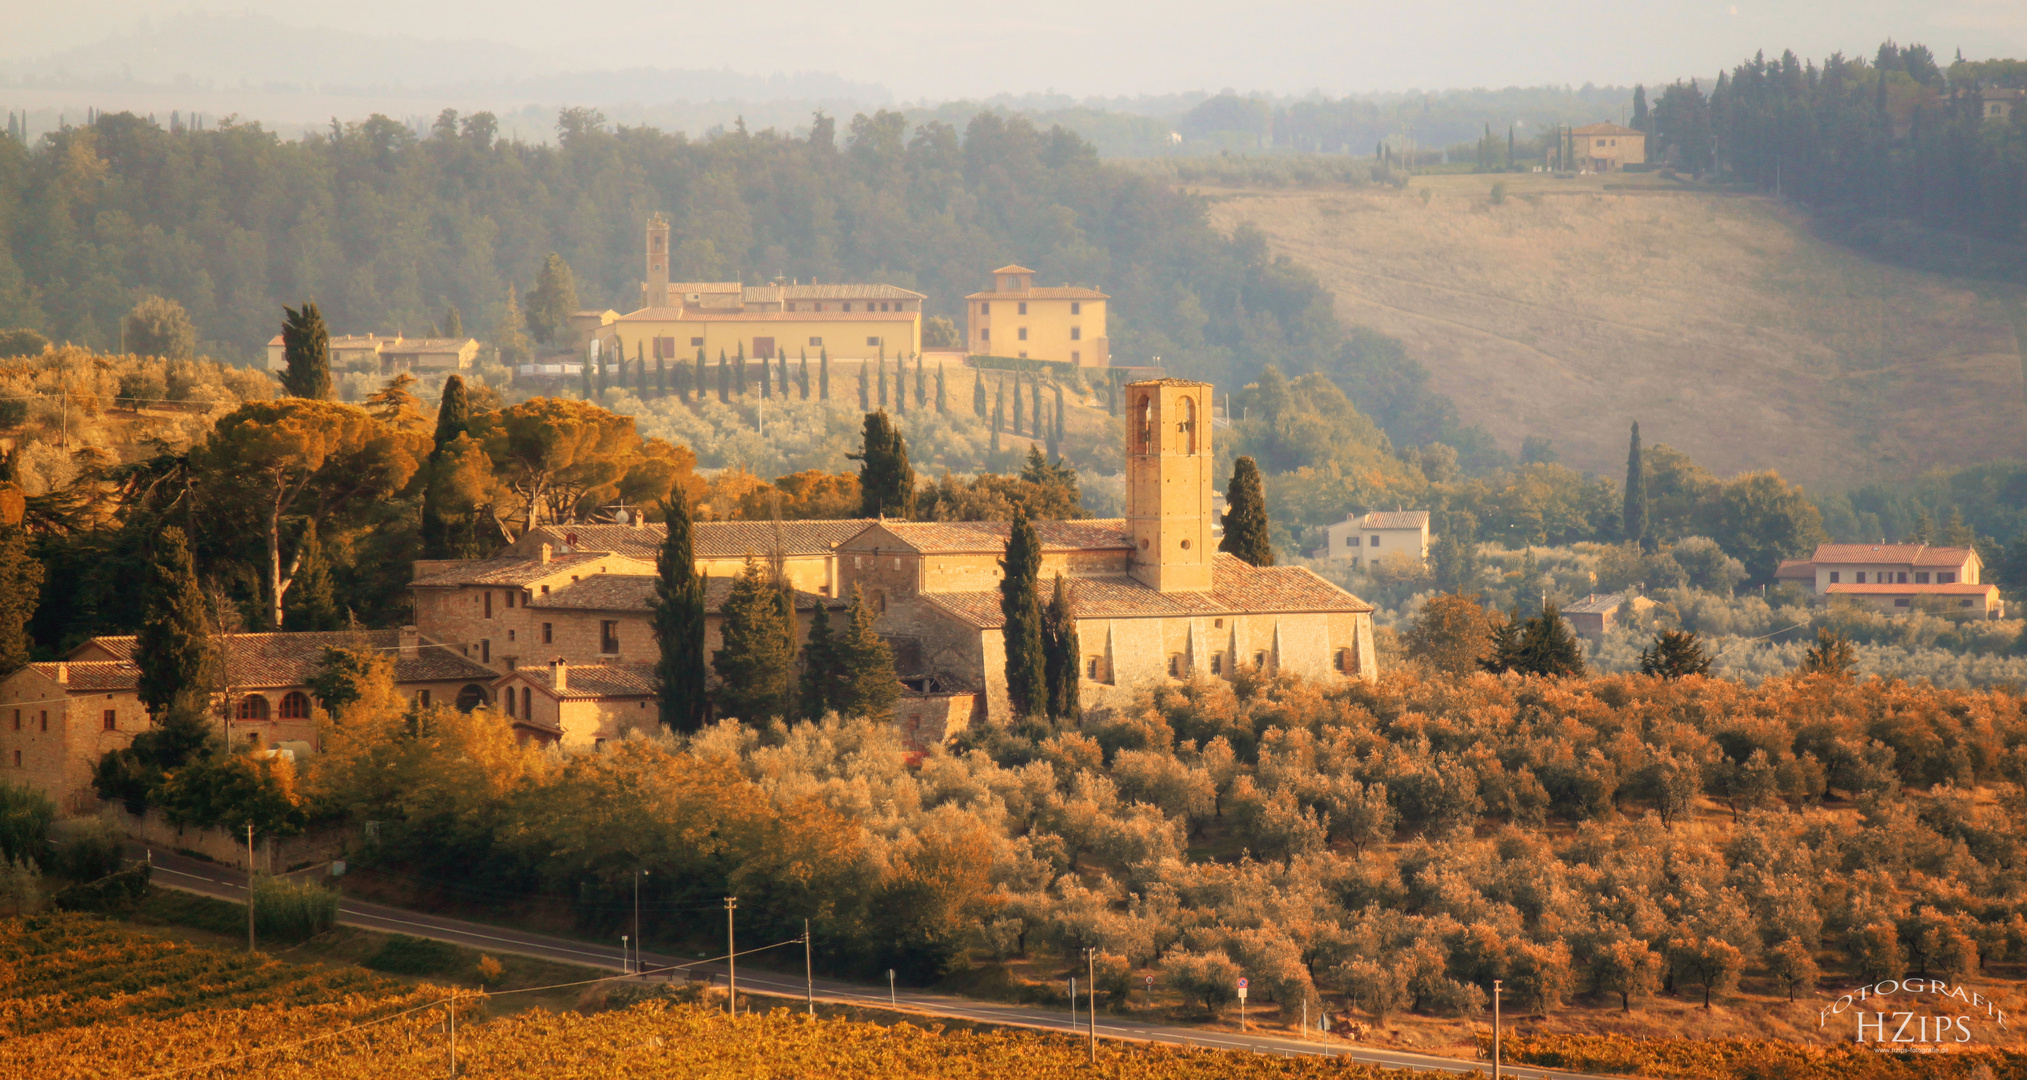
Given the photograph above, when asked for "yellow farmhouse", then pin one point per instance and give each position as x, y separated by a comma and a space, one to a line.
1065, 324
677, 318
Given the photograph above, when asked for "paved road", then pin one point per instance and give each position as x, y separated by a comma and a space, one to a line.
209, 879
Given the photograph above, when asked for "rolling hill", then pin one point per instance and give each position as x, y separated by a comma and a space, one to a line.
1569, 308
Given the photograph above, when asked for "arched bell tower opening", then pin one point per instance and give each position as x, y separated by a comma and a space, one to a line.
1169, 482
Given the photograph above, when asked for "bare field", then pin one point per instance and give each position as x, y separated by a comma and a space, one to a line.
1573, 307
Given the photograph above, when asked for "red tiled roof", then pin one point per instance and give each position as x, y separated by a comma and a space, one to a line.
1395, 519
290, 658
1955, 588
708, 539
1795, 570
990, 536
1894, 554
1238, 588
590, 681
636, 592
703, 314
94, 676
1168, 381
504, 571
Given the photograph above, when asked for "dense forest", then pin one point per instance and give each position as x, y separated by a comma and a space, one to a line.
1896, 139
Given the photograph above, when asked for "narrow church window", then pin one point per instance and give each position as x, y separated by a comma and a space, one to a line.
1217, 663
1347, 661
1143, 426
1187, 428
1092, 666
1175, 665
1260, 660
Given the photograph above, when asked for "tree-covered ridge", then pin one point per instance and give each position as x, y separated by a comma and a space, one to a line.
387, 231
1895, 137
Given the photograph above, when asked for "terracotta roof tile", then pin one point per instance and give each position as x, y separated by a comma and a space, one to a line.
710, 539
636, 592
507, 570
95, 675
591, 681
254, 661
990, 536
1395, 519
1238, 588
1795, 570
1061, 292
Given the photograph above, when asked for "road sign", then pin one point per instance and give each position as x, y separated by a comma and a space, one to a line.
1242, 982
1242, 989
1150, 982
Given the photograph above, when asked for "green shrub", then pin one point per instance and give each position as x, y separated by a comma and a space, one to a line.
285, 909
25, 816
404, 955
111, 894
90, 851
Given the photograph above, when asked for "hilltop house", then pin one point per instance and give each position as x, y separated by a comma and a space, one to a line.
1382, 534
1603, 147
1015, 319
678, 318
388, 355
1897, 577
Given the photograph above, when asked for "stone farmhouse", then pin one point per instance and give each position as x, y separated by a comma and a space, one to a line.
58, 719
1898, 578
388, 355
1382, 534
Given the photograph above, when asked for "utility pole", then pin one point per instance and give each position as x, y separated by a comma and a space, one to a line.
808, 971
1091, 971
1495, 1029
249, 886
1073, 1003
731, 961
638, 967
452, 1008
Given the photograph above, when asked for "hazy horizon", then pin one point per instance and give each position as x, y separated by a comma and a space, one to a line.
886, 50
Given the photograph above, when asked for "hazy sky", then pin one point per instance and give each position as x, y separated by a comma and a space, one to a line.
1111, 47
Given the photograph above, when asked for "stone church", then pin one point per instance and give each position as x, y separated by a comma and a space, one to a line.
1154, 598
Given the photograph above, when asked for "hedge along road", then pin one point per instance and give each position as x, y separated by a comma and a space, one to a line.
209, 879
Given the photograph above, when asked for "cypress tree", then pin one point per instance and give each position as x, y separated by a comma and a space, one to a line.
740, 376
174, 650
823, 374
661, 377
677, 618
1455, 554
921, 386
866, 684
817, 694
312, 599
453, 323
1059, 413
700, 381
942, 403
886, 480
1055, 444
724, 380
900, 386
1016, 414
584, 369
1035, 427
1548, 647
781, 372
1026, 667
865, 390
978, 394
756, 668
766, 378
306, 345
453, 413
1245, 517
998, 414
640, 371
20, 589
1060, 651
1636, 494
802, 376
883, 377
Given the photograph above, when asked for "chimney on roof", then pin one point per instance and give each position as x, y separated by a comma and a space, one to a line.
62, 672
559, 675
547, 553
569, 541
411, 642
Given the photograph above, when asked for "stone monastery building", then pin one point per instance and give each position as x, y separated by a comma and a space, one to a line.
1153, 596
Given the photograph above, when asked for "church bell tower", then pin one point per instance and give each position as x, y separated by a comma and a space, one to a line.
654, 292
1168, 483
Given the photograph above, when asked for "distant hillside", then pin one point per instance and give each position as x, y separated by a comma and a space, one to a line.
1720, 322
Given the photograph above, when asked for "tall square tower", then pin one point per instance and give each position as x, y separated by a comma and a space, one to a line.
654, 292
1168, 483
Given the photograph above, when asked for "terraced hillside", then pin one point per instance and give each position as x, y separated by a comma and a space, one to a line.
1571, 307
